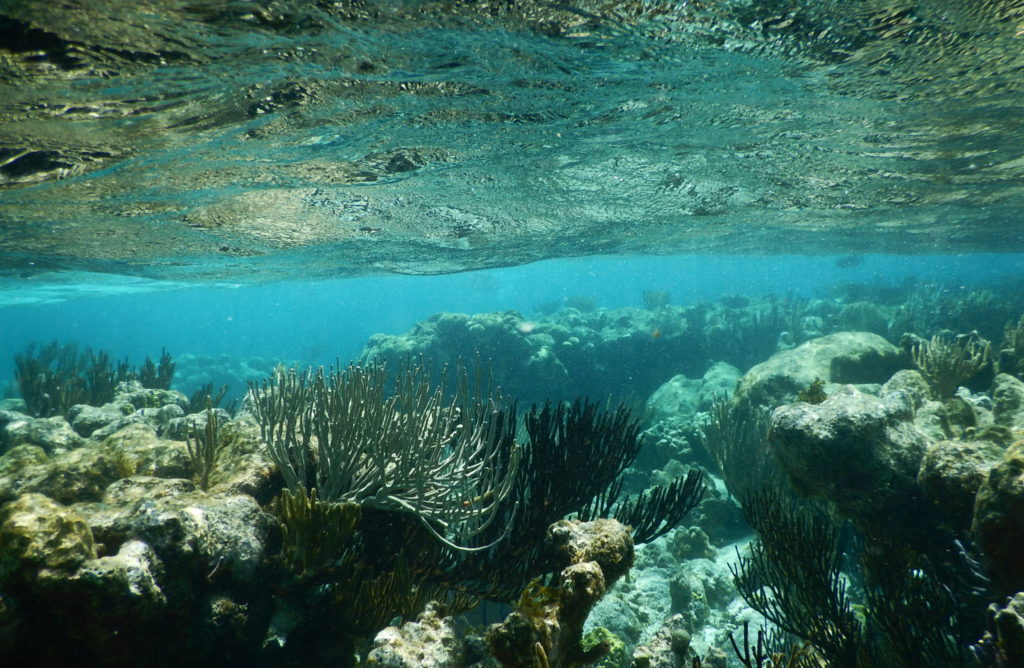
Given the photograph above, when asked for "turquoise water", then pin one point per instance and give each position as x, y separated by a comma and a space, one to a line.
317, 322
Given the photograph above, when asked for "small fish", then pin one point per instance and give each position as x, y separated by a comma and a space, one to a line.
850, 261
656, 334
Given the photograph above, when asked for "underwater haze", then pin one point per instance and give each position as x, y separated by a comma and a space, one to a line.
512, 334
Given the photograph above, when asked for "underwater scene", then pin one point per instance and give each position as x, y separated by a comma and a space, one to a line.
512, 334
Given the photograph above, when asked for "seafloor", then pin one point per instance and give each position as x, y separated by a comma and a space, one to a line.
828, 481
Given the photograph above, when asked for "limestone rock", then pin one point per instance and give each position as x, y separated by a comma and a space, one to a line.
123, 585
217, 535
181, 425
52, 434
244, 467
603, 541
999, 520
429, 642
7, 416
86, 419
681, 398
144, 397
132, 404
676, 399
549, 620
74, 476
718, 382
859, 451
844, 357
140, 452
109, 516
951, 473
36, 532
127, 492
669, 648
912, 383
1004, 635
690, 543
1008, 400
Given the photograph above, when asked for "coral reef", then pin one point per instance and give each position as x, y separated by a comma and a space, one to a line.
916, 470
547, 624
885, 502
597, 352
225, 375
429, 642
59, 377
844, 357
948, 363
859, 451
296, 530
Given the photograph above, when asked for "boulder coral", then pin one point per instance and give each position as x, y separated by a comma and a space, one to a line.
859, 451
999, 520
843, 357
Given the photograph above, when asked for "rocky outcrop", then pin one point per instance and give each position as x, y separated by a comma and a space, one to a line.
1003, 641
106, 531
52, 434
548, 622
681, 398
951, 473
859, 451
429, 642
39, 535
844, 357
999, 520
597, 352
669, 648
1008, 400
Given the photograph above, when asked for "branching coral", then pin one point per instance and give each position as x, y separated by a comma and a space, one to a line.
946, 362
793, 577
655, 511
58, 377
315, 535
767, 651
198, 400
912, 614
412, 451
157, 376
343, 585
572, 463
204, 448
931, 307
735, 435
399, 493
